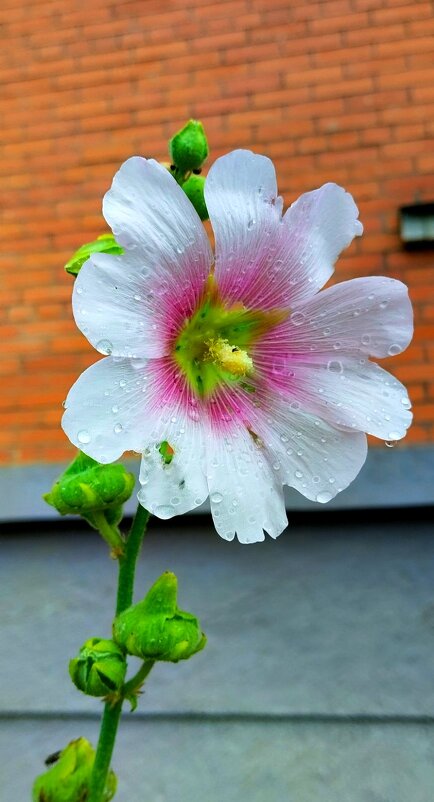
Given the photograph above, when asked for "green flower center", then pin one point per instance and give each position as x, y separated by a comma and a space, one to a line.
215, 344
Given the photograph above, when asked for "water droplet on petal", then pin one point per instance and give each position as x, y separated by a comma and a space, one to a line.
335, 366
216, 498
394, 349
122, 383
83, 437
390, 443
118, 428
164, 511
404, 401
115, 409
395, 436
297, 318
104, 347
324, 497
250, 224
298, 474
366, 339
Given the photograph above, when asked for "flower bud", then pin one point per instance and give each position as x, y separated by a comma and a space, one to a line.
194, 189
86, 487
106, 243
189, 147
99, 668
68, 779
155, 629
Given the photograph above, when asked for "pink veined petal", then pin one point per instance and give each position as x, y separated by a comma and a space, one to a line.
134, 303
310, 455
349, 393
371, 315
301, 449
246, 498
109, 409
179, 486
265, 261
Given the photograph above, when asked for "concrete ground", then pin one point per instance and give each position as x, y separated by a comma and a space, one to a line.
317, 683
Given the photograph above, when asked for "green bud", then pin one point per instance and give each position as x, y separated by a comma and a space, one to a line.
189, 147
194, 189
86, 487
106, 243
99, 668
155, 629
68, 779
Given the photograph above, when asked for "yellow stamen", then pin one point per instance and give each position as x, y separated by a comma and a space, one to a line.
230, 357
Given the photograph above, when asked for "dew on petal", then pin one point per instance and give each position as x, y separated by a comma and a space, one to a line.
122, 383
164, 511
390, 443
395, 435
118, 428
297, 318
405, 402
115, 409
334, 366
298, 474
394, 349
83, 436
324, 497
216, 498
104, 347
366, 339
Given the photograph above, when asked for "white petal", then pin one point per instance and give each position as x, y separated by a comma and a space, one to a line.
352, 394
315, 230
245, 496
240, 194
310, 455
372, 315
262, 260
107, 409
174, 488
134, 302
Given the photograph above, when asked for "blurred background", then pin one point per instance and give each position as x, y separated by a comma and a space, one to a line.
332, 90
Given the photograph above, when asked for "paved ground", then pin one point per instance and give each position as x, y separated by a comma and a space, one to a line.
317, 684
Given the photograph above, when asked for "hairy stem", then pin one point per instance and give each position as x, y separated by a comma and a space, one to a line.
112, 711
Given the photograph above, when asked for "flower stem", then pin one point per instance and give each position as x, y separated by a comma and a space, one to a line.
110, 533
127, 562
112, 711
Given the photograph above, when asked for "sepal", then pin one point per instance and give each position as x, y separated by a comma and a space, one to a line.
155, 628
105, 243
68, 779
194, 188
99, 668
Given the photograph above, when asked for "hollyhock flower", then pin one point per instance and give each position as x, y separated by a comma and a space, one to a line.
235, 376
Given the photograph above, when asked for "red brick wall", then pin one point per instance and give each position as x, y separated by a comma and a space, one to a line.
337, 90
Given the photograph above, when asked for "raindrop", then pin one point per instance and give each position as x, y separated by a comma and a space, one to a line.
316, 479
250, 224
404, 401
334, 366
137, 297
366, 339
383, 304
394, 436
276, 466
122, 383
390, 443
394, 349
175, 500
337, 345
79, 290
324, 497
115, 409
118, 428
164, 511
216, 498
295, 405
299, 474
284, 438
104, 347
297, 318
83, 437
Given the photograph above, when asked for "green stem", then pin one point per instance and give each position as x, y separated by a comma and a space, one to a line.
127, 563
112, 712
110, 533
134, 684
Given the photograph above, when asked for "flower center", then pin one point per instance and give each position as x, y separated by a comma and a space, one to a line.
214, 346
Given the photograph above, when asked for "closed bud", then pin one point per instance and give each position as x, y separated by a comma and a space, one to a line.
99, 668
194, 189
155, 629
189, 147
86, 487
69, 778
106, 243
